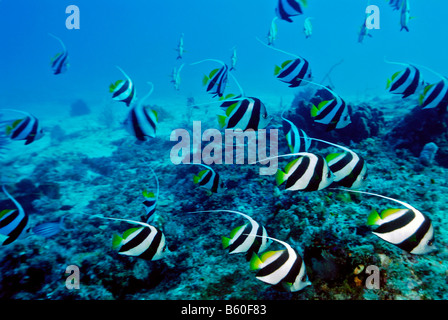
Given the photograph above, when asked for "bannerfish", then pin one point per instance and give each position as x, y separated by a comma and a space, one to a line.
283, 269
12, 222
289, 8
146, 242
404, 16
272, 34
408, 229
142, 121
209, 179
249, 238
309, 172
233, 60
216, 81
176, 77
363, 32
291, 71
307, 27
123, 90
334, 113
395, 4
244, 113
349, 168
27, 129
405, 82
435, 95
150, 201
60, 62
297, 139
180, 47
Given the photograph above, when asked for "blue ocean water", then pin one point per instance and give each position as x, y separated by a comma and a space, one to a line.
141, 37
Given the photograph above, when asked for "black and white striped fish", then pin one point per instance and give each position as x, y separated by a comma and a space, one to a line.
405, 82
216, 81
333, 113
293, 72
12, 222
297, 139
395, 4
150, 202
244, 113
60, 62
27, 129
349, 168
249, 238
435, 95
408, 229
309, 172
283, 269
289, 8
123, 90
209, 179
142, 121
145, 242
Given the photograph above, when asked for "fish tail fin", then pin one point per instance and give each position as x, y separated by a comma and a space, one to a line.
225, 242
373, 218
222, 121
280, 177
255, 262
196, 179
314, 111
116, 241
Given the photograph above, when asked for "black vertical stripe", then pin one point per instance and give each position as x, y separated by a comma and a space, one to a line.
350, 179
206, 177
293, 273
238, 114
398, 223
136, 126
414, 84
137, 240
255, 115
342, 163
149, 253
399, 82
21, 127
317, 177
292, 67
122, 89
274, 265
413, 241
32, 135
17, 231
298, 172
434, 94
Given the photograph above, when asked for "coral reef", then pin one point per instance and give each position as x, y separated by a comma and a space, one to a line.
328, 227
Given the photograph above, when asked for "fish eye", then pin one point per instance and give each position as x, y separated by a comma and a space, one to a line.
304, 278
431, 242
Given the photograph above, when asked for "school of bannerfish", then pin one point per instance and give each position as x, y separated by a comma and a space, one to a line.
406, 227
